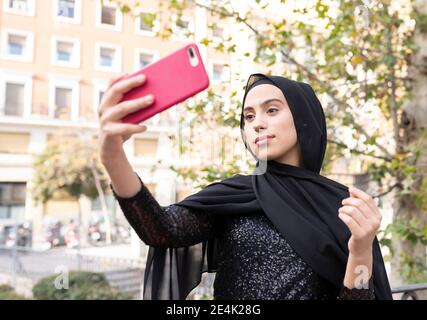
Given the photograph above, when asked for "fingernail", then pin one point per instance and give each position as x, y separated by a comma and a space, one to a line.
140, 78
149, 98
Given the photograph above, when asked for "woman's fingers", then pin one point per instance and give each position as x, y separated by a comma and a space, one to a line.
366, 198
354, 227
111, 81
118, 89
369, 214
122, 109
360, 204
114, 79
356, 215
123, 129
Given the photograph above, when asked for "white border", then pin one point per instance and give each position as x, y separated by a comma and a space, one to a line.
28, 55
98, 13
75, 56
18, 77
31, 8
77, 13
117, 64
69, 83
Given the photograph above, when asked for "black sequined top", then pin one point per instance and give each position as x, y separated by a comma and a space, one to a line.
255, 260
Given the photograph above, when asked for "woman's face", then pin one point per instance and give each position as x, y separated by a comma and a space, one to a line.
267, 114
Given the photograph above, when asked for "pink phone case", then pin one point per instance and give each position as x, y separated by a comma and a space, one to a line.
170, 80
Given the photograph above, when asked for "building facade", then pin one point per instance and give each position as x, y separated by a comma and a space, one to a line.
56, 57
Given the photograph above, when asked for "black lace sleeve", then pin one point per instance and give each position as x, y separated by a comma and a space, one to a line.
358, 294
164, 226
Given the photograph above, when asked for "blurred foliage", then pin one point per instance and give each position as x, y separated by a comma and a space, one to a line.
8, 293
81, 286
65, 168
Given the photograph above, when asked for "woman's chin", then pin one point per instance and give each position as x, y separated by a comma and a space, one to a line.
265, 156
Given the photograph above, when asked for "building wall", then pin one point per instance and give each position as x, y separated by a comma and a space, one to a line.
23, 135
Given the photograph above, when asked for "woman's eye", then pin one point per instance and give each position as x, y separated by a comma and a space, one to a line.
272, 109
248, 117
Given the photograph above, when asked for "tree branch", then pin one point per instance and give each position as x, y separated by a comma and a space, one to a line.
379, 195
310, 75
359, 151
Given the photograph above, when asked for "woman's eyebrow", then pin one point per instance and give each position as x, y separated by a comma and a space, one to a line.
263, 104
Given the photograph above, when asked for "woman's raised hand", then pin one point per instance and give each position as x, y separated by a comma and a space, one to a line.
113, 133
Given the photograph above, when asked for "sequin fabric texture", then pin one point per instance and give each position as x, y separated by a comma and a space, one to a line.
255, 260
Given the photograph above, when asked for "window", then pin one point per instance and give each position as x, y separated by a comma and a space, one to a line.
66, 52
108, 57
220, 72
100, 96
17, 45
25, 7
12, 200
14, 100
16, 94
218, 34
63, 101
108, 15
144, 58
183, 28
99, 87
63, 98
147, 23
14, 142
67, 10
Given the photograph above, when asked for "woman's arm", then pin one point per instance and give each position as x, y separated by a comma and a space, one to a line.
358, 283
363, 218
164, 226
359, 270
123, 179
367, 293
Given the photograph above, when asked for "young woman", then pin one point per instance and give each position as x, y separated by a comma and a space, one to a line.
283, 232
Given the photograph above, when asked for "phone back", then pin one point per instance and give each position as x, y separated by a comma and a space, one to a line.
170, 80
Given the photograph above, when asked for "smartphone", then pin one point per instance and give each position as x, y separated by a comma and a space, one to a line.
171, 80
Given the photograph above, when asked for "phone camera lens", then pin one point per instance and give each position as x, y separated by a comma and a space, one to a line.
191, 52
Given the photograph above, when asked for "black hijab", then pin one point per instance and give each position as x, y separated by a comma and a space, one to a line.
301, 203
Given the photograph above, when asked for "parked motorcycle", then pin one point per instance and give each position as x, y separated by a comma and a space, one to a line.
21, 235
96, 233
55, 235
71, 235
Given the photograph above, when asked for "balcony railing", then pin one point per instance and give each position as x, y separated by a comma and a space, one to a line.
410, 291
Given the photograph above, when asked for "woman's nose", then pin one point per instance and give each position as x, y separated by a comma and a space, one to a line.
259, 124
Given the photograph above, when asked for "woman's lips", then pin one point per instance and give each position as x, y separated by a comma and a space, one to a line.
263, 139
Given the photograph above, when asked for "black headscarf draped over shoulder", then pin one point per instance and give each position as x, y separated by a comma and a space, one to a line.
301, 204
